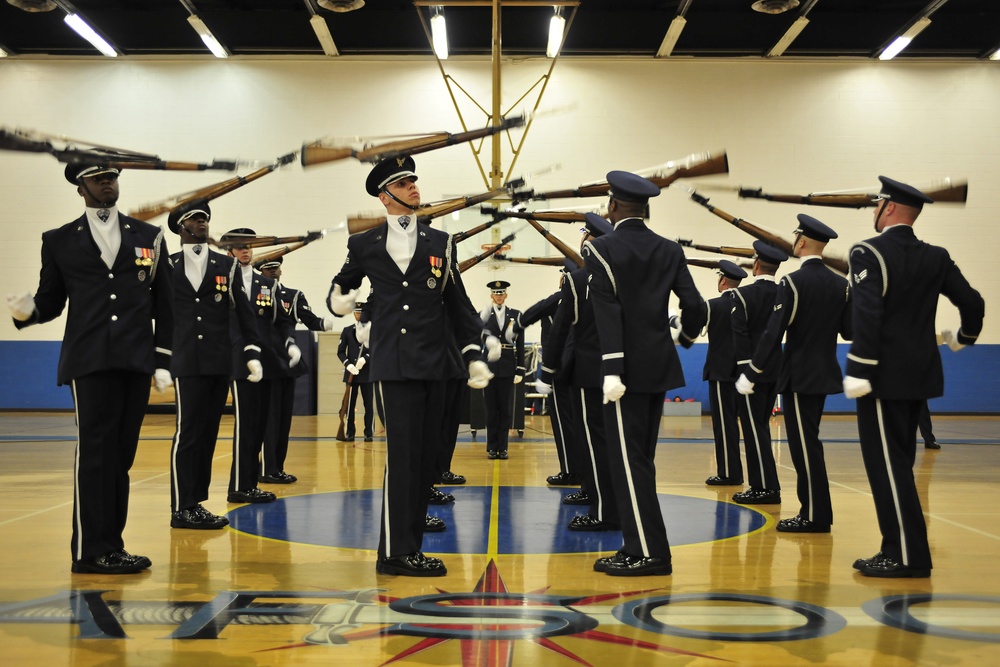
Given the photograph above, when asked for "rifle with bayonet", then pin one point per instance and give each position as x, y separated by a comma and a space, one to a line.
428, 212
942, 191
541, 216
486, 254
734, 251
713, 263
836, 263
703, 164
101, 156
542, 261
261, 241
150, 211
318, 153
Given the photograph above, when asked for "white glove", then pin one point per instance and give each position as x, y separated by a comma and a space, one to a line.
674, 319
21, 306
744, 385
256, 370
340, 303
675, 334
509, 334
162, 379
479, 374
613, 388
328, 323
543, 388
856, 387
294, 355
364, 332
352, 369
493, 348
361, 363
951, 340
518, 379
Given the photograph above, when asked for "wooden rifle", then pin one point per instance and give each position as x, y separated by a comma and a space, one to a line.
530, 216
318, 153
836, 263
543, 261
100, 156
943, 192
704, 164
713, 263
425, 214
472, 261
344, 407
272, 255
541, 216
720, 250
150, 211
260, 241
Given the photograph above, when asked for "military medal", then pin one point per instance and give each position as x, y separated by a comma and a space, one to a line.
142, 276
143, 256
431, 283
218, 297
436, 264
220, 283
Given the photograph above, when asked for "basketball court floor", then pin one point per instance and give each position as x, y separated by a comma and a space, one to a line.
294, 583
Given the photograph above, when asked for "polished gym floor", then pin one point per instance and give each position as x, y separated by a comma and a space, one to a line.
294, 582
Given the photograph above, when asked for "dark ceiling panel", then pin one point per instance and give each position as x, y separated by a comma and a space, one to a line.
962, 29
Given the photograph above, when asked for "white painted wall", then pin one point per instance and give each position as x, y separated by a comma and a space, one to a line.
791, 127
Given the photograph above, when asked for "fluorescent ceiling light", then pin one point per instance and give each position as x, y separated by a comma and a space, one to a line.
904, 40
3, 54
322, 31
790, 35
206, 36
81, 28
557, 24
995, 55
670, 39
439, 36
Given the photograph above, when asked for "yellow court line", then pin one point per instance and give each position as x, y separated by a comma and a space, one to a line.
493, 544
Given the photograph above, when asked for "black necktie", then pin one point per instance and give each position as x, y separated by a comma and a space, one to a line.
404, 220
197, 249
104, 214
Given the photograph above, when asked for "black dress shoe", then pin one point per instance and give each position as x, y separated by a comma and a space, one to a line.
492, 454
198, 518
563, 479
861, 562
799, 525
438, 497
888, 568
715, 480
757, 497
448, 477
432, 524
931, 445
279, 477
502, 455
253, 495
576, 498
113, 562
587, 522
601, 564
412, 565
368, 438
626, 565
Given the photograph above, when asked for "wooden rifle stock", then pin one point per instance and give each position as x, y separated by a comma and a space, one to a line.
835, 263
719, 250
344, 406
546, 216
472, 261
713, 164
461, 236
261, 241
317, 153
270, 255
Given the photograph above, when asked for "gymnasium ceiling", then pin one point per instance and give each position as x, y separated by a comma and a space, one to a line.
959, 29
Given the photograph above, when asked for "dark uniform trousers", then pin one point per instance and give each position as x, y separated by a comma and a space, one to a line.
635, 419
724, 402
201, 400
109, 351
366, 392
499, 398
250, 409
803, 413
563, 426
104, 456
456, 393
596, 476
755, 417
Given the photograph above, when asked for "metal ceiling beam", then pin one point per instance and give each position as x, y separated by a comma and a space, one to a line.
925, 13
